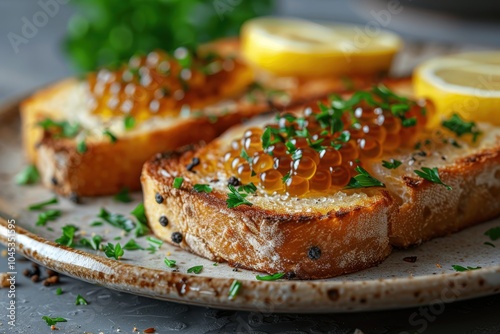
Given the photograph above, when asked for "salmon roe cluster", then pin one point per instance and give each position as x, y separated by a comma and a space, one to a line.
159, 83
320, 150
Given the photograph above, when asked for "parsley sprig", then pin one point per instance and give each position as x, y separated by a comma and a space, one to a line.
460, 268
431, 174
237, 197
393, 164
114, 251
28, 175
53, 321
195, 269
363, 180
272, 277
461, 127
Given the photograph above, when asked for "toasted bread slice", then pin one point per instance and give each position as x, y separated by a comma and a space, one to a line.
107, 167
325, 235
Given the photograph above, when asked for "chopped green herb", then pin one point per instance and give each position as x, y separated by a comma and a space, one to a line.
393, 164
461, 127
80, 300
431, 174
363, 180
129, 122
93, 243
52, 321
489, 244
28, 175
205, 188
408, 122
114, 251
123, 196
41, 205
236, 198
68, 234
234, 289
460, 268
116, 220
245, 156
62, 128
195, 270
215, 264
170, 263
81, 146
44, 217
178, 182
493, 233
286, 177
132, 245
154, 244
59, 291
248, 188
96, 223
273, 277
117, 238
111, 136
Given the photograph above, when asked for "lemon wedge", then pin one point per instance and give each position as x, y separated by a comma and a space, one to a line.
295, 47
467, 84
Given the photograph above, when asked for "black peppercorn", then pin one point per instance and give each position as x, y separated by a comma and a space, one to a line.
177, 237
53, 180
314, 253
233, 181
195, 162
158, 198
163, 221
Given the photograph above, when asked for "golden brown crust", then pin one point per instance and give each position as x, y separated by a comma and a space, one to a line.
351, 237
260, 239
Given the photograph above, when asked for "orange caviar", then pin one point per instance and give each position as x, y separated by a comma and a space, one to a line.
320, 150
161, 84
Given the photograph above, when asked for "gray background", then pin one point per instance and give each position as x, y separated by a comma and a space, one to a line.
40, 61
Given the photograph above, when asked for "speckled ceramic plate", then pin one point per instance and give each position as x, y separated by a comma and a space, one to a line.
393, 284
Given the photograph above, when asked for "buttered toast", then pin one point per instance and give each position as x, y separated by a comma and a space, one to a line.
327, 190
90, 137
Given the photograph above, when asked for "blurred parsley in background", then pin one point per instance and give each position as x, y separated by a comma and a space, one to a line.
108, 32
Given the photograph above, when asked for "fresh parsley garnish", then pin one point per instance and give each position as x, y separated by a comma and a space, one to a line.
123, 196
59, 291
141, 228
460, 268
111, 136
205, 188
46, 216
245, 156
272, 277
393, 164
431, 174
178, 182
41, 205
96, 223
286, 177
129, 122
493, 233
237, 197
114, 251
461, 127
68, 235
195, 270
81, 147
170, 263
117, 220
132, 245
363, 180
409, 122
60, 128
234, 289
52, 321
80, 300
28, 175
93, 243
154, 244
